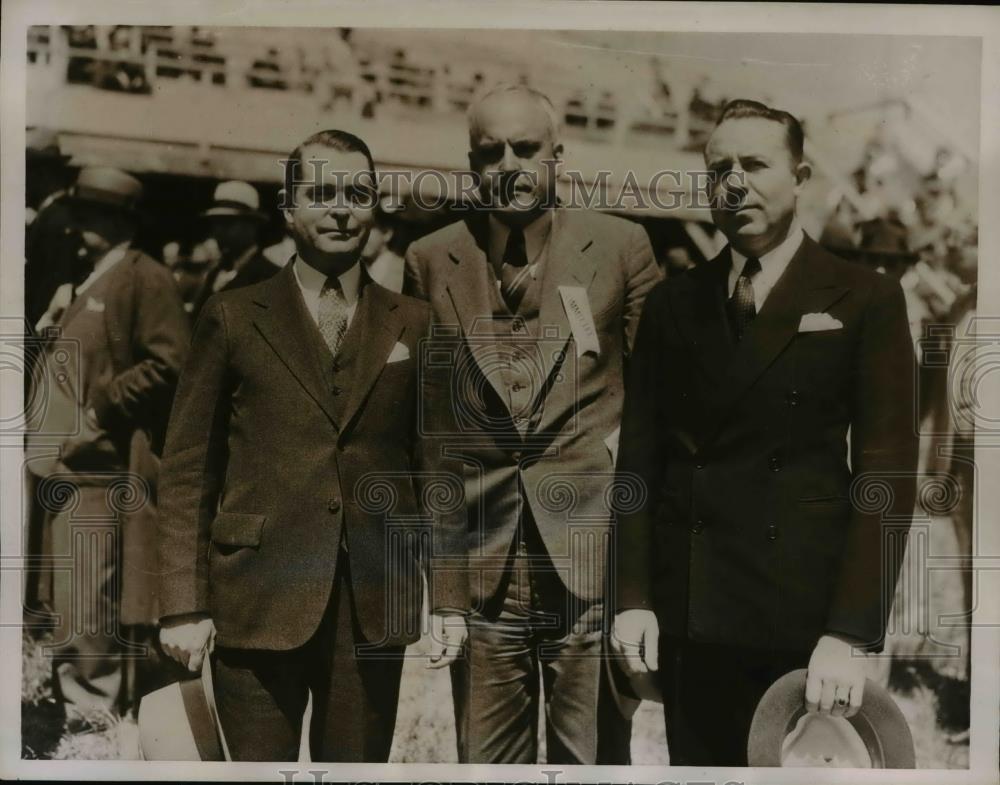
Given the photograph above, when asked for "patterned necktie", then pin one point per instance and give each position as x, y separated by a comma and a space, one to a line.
742, 307
515, 275
331, 315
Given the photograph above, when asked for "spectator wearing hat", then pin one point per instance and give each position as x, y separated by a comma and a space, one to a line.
49, 244
105, 379
235, 221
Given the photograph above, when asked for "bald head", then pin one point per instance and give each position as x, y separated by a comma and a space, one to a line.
510, 101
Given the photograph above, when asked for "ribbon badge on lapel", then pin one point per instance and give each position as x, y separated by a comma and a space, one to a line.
581, 320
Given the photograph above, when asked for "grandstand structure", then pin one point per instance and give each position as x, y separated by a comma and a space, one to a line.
227, 102
187, 106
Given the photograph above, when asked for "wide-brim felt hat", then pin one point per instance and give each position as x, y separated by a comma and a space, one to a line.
180, 722
106, 187
879, 725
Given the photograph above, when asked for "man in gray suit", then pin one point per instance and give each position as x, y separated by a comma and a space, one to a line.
535, 308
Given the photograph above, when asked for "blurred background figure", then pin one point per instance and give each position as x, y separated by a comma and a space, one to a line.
50, 243
383, 253
234, 224
108, 380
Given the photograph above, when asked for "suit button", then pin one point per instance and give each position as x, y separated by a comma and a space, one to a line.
336, 366
698, 526
772, 531
333, 505
700, 465
792, 398
336, 390
775, 463
516, 456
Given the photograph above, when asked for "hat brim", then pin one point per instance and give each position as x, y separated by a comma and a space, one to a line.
879, 723
629, 690
232, 212
53, 156
126, 208
179, 722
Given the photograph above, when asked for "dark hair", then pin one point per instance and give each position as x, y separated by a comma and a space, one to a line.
742, 108
335, 140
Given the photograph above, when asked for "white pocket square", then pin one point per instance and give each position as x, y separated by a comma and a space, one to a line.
399, 352
95, 305
818, 322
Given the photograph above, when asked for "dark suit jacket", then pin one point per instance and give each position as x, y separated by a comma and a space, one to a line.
276, 451
258, 268
566, 464
758, 529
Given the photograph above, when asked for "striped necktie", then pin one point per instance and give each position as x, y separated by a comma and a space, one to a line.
742, 307
331, 315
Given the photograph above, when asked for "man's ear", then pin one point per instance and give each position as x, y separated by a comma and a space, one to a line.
284, 202
802, 174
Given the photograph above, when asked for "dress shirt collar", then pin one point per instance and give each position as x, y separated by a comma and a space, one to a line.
773, 263
535, 236
311, 280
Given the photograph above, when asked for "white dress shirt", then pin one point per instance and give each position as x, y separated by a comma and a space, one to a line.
311, 282
772, 265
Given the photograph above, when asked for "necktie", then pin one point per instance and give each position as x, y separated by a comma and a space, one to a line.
515, 275
742, 307
331, 315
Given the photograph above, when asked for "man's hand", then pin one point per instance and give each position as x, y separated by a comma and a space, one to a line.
188, 640
635, 637
448, 634
836, 680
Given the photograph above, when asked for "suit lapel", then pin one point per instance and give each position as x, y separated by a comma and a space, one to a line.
806, 286
285, 324
701, 309
374, 331
567, 264
467, 289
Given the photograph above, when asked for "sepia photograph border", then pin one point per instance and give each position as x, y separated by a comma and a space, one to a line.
981, 23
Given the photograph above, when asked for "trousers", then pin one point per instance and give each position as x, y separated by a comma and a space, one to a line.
261, 695
710, 694
537, 640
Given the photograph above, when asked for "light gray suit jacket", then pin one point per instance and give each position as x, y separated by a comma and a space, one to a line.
565, 463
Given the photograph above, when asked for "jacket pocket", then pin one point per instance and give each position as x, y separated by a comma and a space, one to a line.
238, 529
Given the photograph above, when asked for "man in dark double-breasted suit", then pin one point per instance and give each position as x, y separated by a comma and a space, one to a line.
536, 307
769, 411
295, 486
